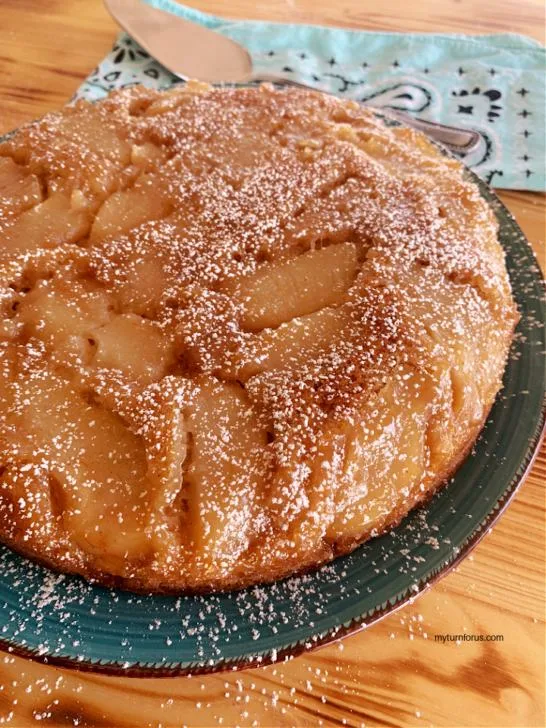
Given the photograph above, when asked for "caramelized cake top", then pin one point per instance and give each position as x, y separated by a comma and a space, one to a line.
242, 330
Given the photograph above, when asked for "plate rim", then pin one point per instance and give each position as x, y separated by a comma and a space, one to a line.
359, 622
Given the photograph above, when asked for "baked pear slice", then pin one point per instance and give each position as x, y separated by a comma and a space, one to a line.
223, 475
104, 493
280, 292
49, 224
19, 190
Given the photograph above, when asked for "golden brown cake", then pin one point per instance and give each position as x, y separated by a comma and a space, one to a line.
242, 331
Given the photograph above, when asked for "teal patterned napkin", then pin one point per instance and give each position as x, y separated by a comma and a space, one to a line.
492, 83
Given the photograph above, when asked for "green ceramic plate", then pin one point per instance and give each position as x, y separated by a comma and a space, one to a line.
65, 620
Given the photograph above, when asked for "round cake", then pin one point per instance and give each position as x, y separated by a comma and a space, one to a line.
242, 331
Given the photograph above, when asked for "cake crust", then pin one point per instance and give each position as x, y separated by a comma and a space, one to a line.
242, 331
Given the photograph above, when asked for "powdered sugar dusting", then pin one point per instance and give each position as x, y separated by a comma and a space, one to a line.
58, 615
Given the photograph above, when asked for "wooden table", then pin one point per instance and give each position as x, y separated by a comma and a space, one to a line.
392, 674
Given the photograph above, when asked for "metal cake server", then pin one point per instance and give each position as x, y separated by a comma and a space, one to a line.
189, 50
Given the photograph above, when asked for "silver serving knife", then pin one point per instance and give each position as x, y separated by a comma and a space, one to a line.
189, 50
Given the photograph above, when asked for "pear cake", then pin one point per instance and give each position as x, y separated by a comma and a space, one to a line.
243, 330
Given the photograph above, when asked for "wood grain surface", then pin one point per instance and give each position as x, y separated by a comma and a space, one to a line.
394, 673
